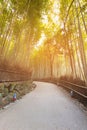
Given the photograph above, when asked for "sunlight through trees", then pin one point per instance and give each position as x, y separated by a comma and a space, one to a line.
48, 37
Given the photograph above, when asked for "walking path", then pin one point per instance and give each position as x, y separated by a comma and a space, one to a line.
48, 107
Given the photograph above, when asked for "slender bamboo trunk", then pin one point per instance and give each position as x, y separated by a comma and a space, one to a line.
82, 16
76, 50
81, 48
67, 47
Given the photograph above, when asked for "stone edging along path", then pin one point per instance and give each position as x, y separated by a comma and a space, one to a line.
18, 89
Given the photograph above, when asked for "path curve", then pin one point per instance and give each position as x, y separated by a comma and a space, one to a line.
48, 107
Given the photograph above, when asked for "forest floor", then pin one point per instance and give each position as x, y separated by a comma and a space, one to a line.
47, 107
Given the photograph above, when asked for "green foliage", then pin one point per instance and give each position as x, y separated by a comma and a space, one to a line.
19, 6
22, 23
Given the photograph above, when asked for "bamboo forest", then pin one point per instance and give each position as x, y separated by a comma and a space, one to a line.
43, 64
45, 37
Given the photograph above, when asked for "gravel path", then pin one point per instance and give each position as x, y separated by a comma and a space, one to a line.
48, 107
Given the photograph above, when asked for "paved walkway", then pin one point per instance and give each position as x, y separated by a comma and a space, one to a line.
48, 107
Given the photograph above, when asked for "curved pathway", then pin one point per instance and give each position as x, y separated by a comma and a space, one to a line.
48, 107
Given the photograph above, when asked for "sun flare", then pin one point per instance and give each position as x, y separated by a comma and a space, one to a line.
41, 41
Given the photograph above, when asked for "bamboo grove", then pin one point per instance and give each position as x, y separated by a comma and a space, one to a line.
48, 37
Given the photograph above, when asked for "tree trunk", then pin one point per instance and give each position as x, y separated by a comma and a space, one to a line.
81, 48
